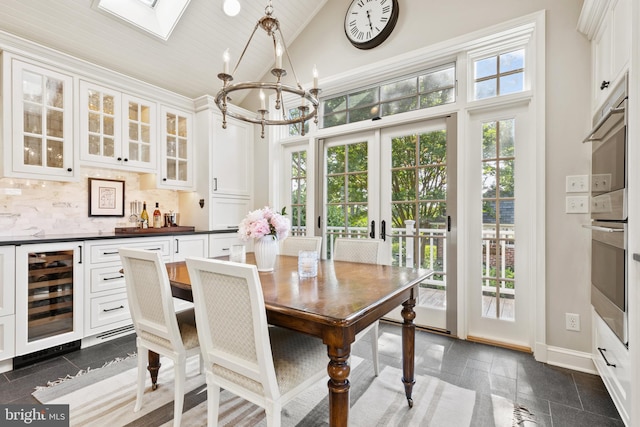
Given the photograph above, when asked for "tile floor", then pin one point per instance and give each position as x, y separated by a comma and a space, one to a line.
558, 397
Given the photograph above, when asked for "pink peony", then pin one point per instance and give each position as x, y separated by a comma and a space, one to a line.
264, 222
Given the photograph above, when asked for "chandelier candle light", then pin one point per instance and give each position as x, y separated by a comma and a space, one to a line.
308, 107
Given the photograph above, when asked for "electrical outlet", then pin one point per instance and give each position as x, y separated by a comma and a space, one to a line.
577, 184
572, 321
577, 204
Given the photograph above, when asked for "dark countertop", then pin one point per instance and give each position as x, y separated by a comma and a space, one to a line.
54, 238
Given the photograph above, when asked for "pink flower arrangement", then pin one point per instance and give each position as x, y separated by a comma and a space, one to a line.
264, 222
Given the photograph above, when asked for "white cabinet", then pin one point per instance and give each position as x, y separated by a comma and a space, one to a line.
176, 168
193, 245
613, 363
220, 244
224, 182
38, 136
232, 158
49, 295
116, 129
7, 288
106, 303
608, 25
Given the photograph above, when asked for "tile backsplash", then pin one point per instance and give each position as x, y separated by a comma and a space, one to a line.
29, 207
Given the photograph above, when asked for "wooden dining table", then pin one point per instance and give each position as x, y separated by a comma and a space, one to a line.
341, 301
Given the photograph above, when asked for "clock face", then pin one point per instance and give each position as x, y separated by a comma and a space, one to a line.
369, 22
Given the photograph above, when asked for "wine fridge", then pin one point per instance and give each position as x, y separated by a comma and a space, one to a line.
48, 297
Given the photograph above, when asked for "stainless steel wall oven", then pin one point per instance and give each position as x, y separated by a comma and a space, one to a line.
609, 213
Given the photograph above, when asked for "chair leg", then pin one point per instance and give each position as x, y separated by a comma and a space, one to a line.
180, 374
374, 349
143, 360
273, 414
213, 402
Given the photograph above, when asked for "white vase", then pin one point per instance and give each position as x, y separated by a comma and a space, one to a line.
265, 250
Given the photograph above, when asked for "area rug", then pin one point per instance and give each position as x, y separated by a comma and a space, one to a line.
106, 396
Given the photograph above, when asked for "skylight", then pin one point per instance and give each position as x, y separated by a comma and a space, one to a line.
153, 16
150, 3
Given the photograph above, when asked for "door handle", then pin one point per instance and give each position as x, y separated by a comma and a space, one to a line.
383, 230
319, 222
449, 223
372, 233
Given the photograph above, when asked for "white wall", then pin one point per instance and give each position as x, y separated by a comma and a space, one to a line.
425, 22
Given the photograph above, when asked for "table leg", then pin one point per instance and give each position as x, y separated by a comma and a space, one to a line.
408, 347
338, 384
154, 367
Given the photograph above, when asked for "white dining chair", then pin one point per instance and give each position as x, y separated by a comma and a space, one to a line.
158, 327
365, 251
265, 365
294, 244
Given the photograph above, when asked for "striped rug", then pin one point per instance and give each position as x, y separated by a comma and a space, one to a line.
106, 396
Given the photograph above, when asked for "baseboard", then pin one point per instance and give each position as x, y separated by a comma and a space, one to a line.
107, 336
570, 359
6, 365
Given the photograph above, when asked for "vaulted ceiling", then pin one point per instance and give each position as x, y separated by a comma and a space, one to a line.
187, 63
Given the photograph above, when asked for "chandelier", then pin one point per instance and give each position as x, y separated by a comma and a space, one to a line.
308, 107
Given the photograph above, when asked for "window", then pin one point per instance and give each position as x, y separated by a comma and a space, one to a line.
298, 193
498, 213
499, 75
423, 90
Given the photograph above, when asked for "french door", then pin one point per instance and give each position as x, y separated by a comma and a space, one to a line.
398, 185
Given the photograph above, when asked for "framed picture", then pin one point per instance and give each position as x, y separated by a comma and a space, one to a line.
106, 197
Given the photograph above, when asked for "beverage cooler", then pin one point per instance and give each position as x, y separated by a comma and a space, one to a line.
48, 299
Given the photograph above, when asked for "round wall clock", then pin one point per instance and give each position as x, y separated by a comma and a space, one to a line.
369, 22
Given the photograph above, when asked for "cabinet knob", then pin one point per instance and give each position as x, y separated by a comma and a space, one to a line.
164, 179
69, 170
119, 159
604, 84
126, 160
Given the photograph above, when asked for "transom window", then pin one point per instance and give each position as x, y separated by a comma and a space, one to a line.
499, 74
426, 89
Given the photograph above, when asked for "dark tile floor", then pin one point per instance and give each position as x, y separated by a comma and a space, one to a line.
557, 397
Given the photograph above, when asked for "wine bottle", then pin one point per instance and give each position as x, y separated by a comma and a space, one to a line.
157, 217
144, 216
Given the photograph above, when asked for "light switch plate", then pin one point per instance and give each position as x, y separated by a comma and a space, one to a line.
577, 204
577, 184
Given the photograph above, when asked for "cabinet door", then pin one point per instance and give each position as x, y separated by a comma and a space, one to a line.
232, 159
621, 36
100, 125
42, 118
177, 149
602, 63
226, 213
190, 246
139, 134
8, 284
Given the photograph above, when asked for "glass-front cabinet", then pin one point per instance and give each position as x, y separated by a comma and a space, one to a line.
40, 142
48, 295
116, 129
177, 150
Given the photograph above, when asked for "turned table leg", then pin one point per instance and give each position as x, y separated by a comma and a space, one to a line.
154, 367
408, 347
338, 384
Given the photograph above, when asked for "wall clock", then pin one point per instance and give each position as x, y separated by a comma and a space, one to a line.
368, 23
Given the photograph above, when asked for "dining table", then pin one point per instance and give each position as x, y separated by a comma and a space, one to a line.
342, 300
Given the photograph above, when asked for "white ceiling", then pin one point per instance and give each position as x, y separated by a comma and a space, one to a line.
187, 63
